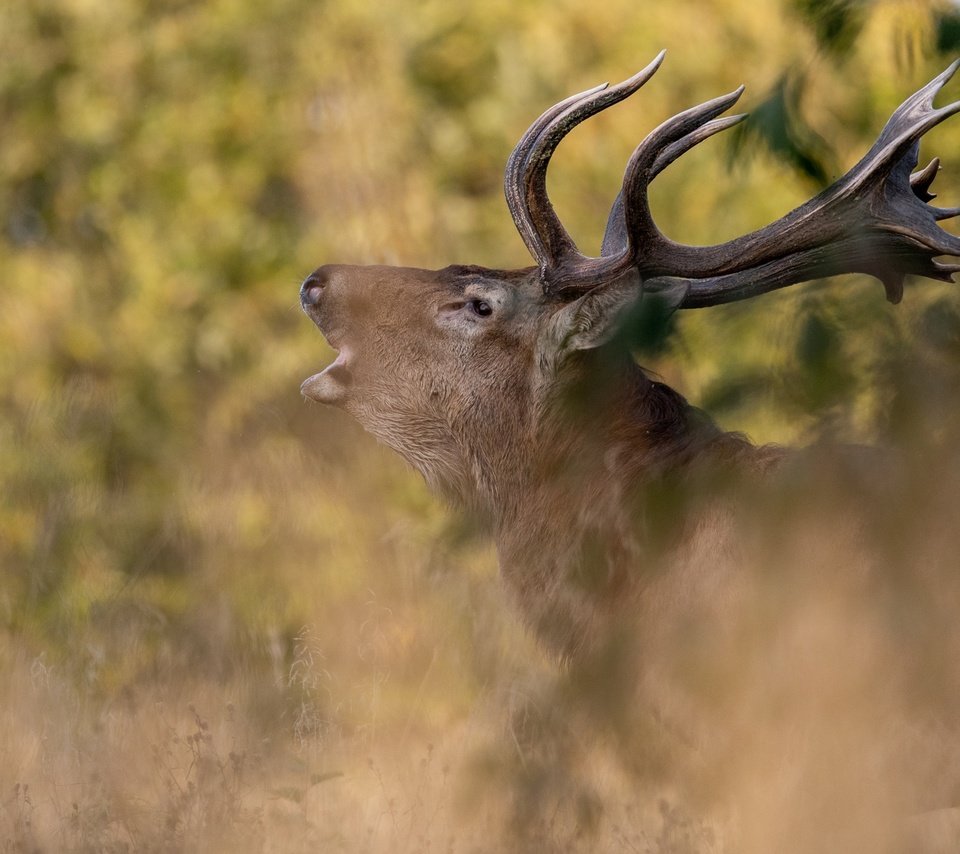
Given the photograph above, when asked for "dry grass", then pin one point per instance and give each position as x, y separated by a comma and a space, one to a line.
420, 718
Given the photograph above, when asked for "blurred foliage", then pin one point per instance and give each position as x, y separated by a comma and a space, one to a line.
835, 23
169, 172
775, 123
948, 31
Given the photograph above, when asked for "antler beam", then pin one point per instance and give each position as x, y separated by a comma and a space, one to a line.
875, 219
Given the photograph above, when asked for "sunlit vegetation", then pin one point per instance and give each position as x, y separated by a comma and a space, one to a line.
228, 620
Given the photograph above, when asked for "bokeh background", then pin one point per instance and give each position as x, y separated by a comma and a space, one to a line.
228, 619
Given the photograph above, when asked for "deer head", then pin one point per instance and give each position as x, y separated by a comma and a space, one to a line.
461, 369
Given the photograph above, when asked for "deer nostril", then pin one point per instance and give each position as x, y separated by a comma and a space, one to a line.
311, 291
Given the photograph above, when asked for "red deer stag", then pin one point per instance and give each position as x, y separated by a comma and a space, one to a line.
469, 372
795, 679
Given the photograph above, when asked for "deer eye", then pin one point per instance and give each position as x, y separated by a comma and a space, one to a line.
481, 307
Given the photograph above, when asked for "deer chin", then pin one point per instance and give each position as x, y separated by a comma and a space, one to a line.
332, 384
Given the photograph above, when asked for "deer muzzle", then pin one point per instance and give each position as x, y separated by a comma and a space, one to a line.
330, 385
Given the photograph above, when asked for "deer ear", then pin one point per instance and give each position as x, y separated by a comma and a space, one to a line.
621, 309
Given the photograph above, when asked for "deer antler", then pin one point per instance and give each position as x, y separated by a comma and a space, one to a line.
525, 179
875, 219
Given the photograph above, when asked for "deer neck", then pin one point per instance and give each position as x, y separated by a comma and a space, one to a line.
604, 506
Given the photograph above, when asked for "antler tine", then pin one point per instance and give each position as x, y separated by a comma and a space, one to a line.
513, 186
911, 120
682, 146
661, 147
525, 176
632, 239
944, 213
920, 181
654, 155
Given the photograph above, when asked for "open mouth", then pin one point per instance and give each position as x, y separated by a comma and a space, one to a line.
330, 385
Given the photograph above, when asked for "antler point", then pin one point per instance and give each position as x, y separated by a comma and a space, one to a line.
945, 213
893, 286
